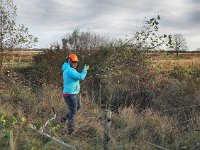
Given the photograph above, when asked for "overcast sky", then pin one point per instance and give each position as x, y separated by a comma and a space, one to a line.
51, 20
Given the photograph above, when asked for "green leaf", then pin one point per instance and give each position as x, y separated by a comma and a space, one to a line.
158, 17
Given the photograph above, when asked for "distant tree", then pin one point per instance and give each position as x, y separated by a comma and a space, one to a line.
11, 34
83, 41
178, 43
55, 46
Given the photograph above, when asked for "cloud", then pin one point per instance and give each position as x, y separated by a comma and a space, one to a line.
194, 1
53, 19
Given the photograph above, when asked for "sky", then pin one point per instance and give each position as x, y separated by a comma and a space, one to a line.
51, 20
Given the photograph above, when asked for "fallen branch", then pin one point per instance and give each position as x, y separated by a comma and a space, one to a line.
51, 137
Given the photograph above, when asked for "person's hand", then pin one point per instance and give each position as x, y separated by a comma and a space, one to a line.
86, 67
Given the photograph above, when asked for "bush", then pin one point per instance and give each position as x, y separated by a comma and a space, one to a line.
121, 78
46, 69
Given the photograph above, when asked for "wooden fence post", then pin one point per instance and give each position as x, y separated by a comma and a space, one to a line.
11, 142
19, 58
107, 123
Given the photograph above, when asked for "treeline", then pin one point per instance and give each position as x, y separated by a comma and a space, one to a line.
84, 42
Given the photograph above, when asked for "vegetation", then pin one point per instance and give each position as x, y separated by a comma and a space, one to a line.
172, 120
152, 108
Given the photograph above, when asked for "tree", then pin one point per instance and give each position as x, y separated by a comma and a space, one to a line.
11, 34
178, 43
80, 41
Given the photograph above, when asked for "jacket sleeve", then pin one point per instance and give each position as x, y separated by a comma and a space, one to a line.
76, 75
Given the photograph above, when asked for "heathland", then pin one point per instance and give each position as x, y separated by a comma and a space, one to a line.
154, 99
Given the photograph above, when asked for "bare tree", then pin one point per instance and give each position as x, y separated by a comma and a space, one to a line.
83, 41
12, 35
55, 46
178, 43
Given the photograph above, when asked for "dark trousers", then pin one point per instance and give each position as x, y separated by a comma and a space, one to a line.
73, 104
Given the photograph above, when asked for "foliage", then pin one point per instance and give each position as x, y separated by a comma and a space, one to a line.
148, 38
7, 122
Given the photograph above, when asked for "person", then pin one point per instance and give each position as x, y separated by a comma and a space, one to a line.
71, 88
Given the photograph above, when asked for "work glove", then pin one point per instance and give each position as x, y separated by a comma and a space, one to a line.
86, 67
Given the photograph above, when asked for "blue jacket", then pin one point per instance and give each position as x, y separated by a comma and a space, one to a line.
71, 79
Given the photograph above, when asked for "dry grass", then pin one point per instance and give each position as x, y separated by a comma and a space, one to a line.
168, 62
36, 107
129, 128
146, 130
138, 129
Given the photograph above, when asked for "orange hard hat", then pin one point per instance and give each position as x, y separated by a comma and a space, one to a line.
73, 57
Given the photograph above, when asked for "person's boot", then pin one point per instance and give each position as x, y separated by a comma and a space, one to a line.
70, 128
63, 119
70, 131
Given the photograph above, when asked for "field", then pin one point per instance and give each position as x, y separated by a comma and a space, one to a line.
162, 60
166, 61
169, 64
19, 58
